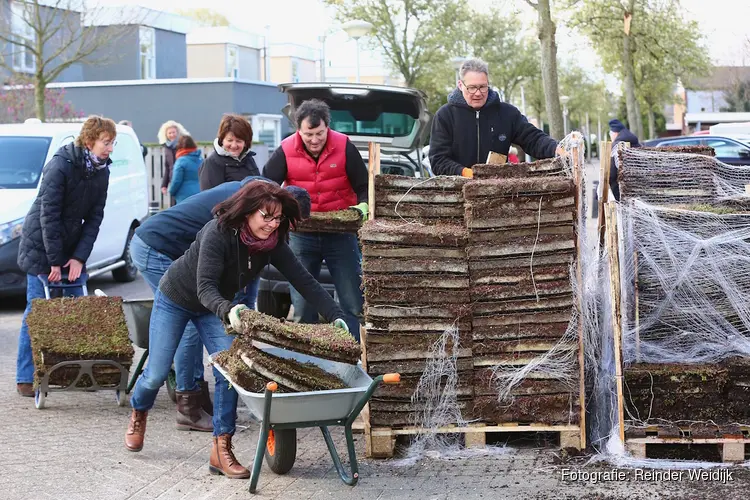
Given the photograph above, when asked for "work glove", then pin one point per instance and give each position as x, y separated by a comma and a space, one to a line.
467, 172
363, 208
340, 323
234, 317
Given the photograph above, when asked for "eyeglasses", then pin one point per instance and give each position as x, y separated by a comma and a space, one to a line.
271, 218
109, 143
473, 89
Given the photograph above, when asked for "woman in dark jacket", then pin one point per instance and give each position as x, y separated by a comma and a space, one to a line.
61, 227
251, 230
231, 159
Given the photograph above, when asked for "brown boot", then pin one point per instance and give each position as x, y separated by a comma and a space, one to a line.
190, 415
26, 390
136, 430
223, 460
206, 403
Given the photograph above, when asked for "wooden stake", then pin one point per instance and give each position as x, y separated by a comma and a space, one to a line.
605, 162
616, 299
578, 178
373, 169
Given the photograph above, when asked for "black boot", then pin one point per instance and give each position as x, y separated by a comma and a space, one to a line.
206, 404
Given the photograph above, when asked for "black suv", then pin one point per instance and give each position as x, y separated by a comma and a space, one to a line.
395, 117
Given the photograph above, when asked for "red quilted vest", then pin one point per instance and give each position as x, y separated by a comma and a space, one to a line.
326, 180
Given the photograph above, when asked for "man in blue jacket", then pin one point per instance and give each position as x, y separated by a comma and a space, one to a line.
159, 241
475, 121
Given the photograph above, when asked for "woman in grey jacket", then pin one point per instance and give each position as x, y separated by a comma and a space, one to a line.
249, 232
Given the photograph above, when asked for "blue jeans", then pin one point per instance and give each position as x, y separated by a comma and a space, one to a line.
188, 361
168, 321
24, 361
340, 251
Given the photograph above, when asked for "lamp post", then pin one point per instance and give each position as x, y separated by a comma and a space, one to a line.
357, 29
457, 62
564, 100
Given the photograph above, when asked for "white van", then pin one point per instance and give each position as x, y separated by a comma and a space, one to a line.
24, 150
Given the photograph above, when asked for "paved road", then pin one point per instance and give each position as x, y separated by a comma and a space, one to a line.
74, 449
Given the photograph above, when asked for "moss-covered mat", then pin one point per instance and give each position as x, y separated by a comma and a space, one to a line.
238, 371
290, 375
83, 328
339, 221
321, 340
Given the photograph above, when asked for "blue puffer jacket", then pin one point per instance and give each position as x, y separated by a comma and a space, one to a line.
184, 181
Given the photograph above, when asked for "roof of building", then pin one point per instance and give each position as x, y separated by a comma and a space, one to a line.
133, 15
721, 77
210, 35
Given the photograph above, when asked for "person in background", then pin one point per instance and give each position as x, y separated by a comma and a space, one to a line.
188, 159
231, 159
476, 122
618, 133
62, 225
249, 232
160, 240
329, 166
169, 133
513, 155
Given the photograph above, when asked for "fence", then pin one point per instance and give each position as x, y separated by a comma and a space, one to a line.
155, 171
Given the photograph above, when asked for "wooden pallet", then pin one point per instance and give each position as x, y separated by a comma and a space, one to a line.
732, 442
380, 442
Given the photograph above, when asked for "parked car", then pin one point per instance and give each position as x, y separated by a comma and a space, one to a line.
395, 117
24, 150
732, 150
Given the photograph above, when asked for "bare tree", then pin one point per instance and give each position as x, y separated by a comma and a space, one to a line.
546, 31
46, 37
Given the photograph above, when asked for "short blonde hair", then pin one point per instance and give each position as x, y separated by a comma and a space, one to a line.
93, 128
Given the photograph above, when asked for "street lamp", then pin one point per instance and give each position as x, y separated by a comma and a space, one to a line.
564, 100
357, 29
457, 62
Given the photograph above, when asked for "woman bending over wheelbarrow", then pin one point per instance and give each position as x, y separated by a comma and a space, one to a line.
250, 231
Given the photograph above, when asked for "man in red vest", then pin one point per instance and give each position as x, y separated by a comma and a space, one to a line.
330, 168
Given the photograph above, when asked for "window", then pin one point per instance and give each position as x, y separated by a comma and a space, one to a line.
21, 161
383, 125
683, 142
233, 61
728, 149
295, 70
267, 129
147, 42
23, 59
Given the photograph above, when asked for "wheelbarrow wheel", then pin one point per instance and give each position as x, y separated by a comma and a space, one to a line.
281, 450
39, 398
172, 385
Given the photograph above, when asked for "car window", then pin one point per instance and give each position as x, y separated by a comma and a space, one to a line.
22, 160
682, 142
728, 149
382, 125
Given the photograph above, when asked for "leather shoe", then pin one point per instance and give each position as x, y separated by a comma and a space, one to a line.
25, 390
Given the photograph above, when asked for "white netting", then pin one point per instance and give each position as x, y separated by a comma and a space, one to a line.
684, 232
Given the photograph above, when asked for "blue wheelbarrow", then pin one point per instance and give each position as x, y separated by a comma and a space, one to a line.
280, 415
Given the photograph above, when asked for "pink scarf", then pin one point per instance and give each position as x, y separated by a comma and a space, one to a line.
255, 245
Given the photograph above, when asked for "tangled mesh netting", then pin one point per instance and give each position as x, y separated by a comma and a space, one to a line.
684, 232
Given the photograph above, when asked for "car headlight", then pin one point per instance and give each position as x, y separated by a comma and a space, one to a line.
11, 230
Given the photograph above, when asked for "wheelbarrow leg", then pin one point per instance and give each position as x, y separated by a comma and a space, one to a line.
263, 438
137, 372
350, 480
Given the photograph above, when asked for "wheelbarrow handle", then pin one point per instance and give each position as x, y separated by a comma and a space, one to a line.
389, 378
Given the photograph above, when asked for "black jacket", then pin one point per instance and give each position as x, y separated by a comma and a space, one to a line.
169, 159
463, 136
218, 168
64, 220
624, 135
217, 265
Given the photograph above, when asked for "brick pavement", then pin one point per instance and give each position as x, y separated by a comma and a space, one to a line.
73, 449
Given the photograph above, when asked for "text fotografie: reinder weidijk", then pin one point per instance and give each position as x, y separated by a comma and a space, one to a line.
714, 475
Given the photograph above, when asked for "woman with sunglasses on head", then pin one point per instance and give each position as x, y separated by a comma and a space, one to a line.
250, 231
